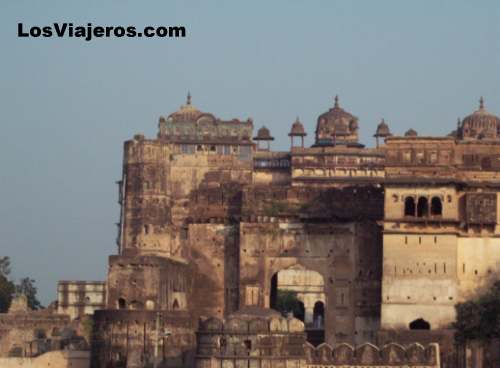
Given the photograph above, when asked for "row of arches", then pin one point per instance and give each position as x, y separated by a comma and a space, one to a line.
421, 207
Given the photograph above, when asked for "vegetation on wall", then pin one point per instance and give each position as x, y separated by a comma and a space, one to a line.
27, 287
479, 319
288, 302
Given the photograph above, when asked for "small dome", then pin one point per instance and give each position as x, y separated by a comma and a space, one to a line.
188, 113
480, 124
382, 130
297, 129
263, 134
411, 133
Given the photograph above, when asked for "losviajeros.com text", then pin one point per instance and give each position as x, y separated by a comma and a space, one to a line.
89, 31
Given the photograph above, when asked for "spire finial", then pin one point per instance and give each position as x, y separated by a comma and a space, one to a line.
458, 123
188, 102
297, 120
336, 100
481, 103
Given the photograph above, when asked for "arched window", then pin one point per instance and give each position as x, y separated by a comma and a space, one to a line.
319, 315
122, 304
175, 305
436, 206
420, 324
150, 304
409, 206
422, 207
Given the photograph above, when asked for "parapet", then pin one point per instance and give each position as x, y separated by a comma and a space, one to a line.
368, 355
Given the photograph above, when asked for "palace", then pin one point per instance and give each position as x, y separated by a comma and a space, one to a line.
376, 245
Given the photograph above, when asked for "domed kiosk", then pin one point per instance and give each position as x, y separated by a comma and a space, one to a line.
337, 127
481, 124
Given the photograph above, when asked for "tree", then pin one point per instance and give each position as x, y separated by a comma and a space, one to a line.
4, 266
287, 301
6, 286
27, 287
479, 319
7, 289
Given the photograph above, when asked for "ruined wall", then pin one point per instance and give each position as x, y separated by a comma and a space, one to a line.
147, 282
52, 359
129, 338
16, 329
260, 339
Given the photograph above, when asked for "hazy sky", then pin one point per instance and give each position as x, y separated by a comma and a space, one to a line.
67, 105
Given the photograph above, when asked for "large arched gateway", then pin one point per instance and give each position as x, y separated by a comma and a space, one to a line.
300, 292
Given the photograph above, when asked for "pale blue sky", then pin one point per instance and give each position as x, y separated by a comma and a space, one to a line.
67, 105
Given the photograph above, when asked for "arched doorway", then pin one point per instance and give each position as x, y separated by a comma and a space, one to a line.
300, 292
122, 304
319, 315
420, 324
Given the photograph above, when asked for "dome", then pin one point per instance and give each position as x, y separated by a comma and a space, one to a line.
263, 134
382, 130
297, 129
411, 133
480, 124
336, 126
188, 112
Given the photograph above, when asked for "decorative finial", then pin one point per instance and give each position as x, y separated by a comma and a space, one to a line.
336, 100
458, 123
481, 103
297, 120
188, 102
